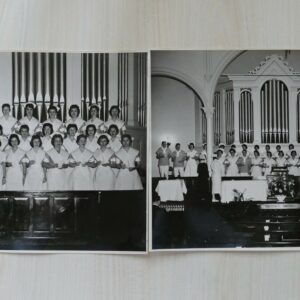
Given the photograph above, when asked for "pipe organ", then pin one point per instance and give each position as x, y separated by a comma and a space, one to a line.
39, 78
217, 118
141, 88
246, 134
274, 112
123, 85
94, 83
229, 117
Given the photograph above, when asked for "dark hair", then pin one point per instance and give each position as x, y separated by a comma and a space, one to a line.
233, 146
219, 150
55, 136
5, 105
35, 137
94, 106
256, 152
278, 146
74, 106
244, 145
268, 145
114, 107
192, 144
24, 126
291, 145
281, 152
256, 146
232, 150
113, 126
13, 136
126, 136
29, 105
52, 107
101, 137
79, 137
45, 125
71, 126
269, 152
90, 126
294, 152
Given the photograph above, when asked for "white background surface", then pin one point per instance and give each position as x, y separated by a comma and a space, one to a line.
83, 25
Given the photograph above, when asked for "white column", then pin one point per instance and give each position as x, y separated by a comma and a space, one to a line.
236, 99
256, 115
113, 79
209, 112
292, 115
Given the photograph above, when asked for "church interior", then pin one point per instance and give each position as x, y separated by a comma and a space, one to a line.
229, 124
107, 220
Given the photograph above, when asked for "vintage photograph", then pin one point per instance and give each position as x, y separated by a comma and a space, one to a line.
73, 151
225, 129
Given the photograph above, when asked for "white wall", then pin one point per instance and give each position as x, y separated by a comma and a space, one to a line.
173, 115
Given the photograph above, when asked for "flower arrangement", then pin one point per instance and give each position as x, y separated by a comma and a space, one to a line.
281, 185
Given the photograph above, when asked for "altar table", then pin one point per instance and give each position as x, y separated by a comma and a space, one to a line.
254, 190
171, 190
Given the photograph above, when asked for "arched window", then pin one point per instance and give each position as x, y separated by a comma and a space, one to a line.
274, 112
246, 117
217, 118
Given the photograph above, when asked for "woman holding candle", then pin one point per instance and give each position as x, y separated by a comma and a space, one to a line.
104, 177
268, 163
128, 177
35, 173
81, 160
14, 173
56, 162
114, 143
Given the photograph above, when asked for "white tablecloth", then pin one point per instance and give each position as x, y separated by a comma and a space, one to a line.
255, 190
171, 190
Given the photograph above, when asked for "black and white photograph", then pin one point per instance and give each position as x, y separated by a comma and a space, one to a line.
73, 151
225, 150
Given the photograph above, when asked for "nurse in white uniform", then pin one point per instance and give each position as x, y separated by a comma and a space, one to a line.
231, 163
256, 162
2, 169
91, 141
281, 160
114, 120
114, 142
35, 173
24, 138
74, 112
192, 164
268, 163
70, 143
217, 169
7, 122
56, 163
94, 120
293, 164
104, 178
3, 140
29, 119
81, 160
57, 124
14, 174
47, 137
128, 177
